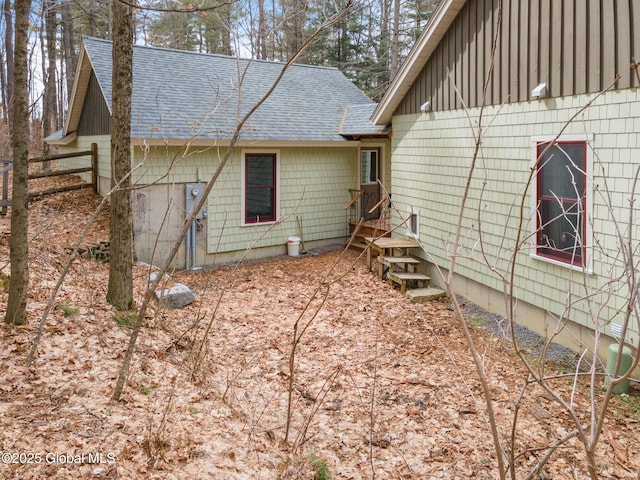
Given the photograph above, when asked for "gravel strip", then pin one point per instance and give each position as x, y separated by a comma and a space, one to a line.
498, 325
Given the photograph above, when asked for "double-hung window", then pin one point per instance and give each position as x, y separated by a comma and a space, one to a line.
260, 187
562, 200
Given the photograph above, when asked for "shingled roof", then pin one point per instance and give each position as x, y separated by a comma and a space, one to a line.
179, 95
357, 122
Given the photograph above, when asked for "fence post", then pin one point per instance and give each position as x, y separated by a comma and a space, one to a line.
94, 166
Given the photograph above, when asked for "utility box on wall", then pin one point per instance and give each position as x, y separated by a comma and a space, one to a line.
193, 193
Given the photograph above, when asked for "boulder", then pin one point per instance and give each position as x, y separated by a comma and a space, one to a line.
176, 296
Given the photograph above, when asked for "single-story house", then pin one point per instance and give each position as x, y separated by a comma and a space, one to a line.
298, 160
517, 84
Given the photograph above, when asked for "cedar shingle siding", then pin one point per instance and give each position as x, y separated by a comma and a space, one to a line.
574, 46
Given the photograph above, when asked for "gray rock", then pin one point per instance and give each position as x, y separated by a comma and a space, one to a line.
154, 275
177, 296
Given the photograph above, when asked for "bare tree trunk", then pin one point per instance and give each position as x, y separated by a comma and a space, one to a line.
3, 90
67, 45
18, 243
8, 46
50, 101
120, 289
395, 41
5, 146
262, 32
226, 32
383, 45
294, 12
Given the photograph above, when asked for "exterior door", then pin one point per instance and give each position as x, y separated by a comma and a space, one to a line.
369, 176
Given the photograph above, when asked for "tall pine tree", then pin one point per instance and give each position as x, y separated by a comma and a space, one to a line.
120, 289
19, 241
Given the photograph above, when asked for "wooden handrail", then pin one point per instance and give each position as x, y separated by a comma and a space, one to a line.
353, 200
385, 197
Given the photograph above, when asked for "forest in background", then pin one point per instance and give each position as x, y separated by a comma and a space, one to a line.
368, 45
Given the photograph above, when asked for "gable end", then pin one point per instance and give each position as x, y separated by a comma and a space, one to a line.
573, 47
95, 116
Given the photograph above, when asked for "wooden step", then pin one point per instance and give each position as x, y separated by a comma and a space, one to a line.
358, 245
390, 262
402, 278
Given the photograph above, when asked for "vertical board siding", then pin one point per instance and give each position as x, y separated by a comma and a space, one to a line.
581, 39
635, 36
94, 119
534, 43
460, 49
514, 51
497, 80
608, 33
505, 33
623, 42
465, 65
567, 68
574, 46
544, 54
451, 69
480, 60
554, 83
473, 52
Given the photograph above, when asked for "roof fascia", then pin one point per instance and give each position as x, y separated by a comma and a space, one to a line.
180, 142
439, 24
66, 140
78, 93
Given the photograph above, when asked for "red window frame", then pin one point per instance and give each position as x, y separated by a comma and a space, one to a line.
561, 215
257, 186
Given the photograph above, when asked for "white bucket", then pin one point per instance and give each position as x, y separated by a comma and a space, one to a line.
293, 246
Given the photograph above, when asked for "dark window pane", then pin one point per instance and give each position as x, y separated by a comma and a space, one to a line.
260, 188
562, 171
260, 170
374, 167
561, 229
561, 202
260, 203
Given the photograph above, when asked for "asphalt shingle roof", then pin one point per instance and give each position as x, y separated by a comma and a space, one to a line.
357, 121
178, 94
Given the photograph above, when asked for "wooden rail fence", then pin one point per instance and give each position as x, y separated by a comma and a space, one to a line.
8, 165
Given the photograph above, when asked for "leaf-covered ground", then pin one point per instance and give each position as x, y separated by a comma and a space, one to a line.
383, 388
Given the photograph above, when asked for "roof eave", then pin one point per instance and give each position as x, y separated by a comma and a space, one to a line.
442, 18
65, 140
183, 142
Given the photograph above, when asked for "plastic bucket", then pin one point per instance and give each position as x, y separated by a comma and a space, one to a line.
293, 246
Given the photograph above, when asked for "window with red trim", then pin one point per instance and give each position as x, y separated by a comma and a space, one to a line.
561, 201
260, 187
